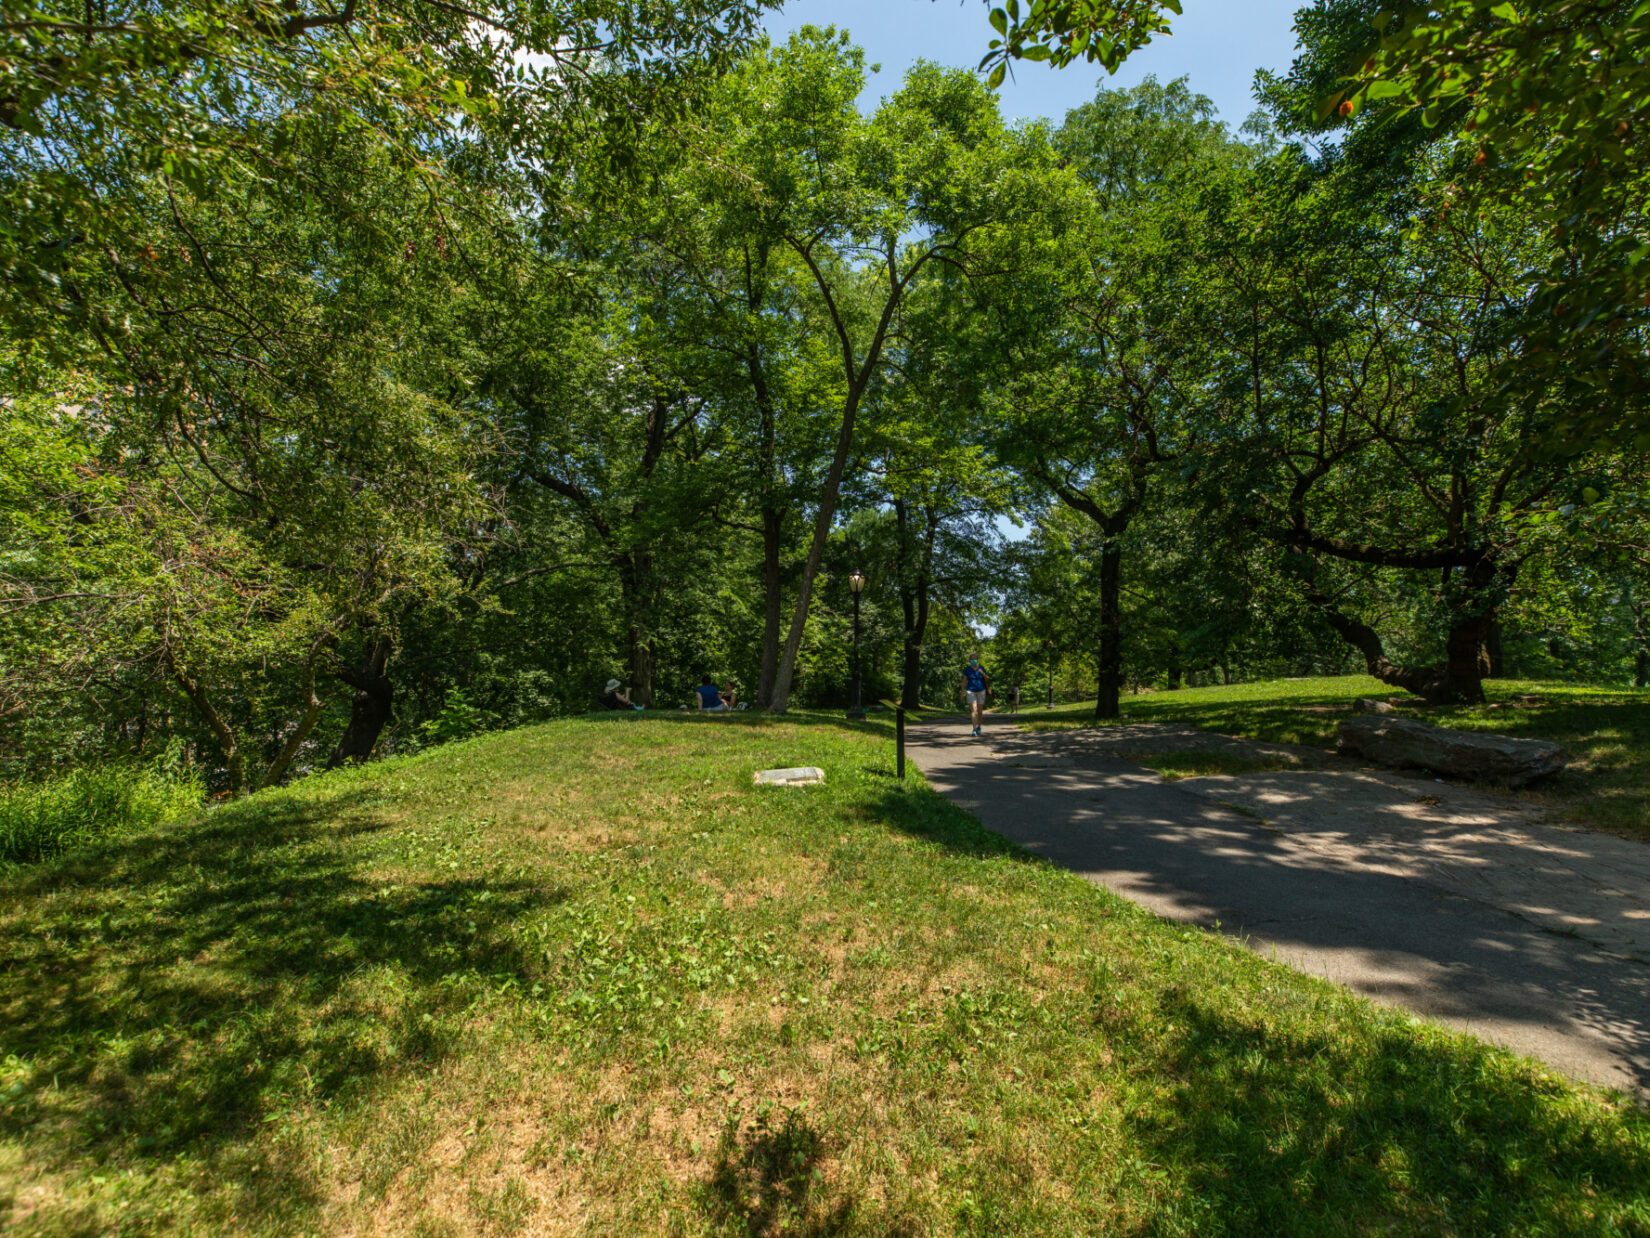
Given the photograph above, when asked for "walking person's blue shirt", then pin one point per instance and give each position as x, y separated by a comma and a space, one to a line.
974, 677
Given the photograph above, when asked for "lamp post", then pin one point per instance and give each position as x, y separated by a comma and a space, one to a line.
856, 582
1048, 650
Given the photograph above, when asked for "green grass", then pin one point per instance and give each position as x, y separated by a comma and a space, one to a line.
46, 818
1605, 731
1177, 765
585, 979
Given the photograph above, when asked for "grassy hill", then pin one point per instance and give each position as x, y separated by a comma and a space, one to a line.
585, 979
1605, 731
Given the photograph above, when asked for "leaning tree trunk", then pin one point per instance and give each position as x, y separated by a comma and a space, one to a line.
828, 495
372, 706
1108, 702
1460, 680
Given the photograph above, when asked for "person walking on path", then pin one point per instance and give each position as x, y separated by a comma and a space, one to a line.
975, 684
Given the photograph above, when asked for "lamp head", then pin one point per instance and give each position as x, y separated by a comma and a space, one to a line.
856, 581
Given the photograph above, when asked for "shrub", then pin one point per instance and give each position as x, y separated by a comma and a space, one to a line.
41, 819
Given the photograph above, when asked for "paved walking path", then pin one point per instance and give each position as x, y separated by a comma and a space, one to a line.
1457, 905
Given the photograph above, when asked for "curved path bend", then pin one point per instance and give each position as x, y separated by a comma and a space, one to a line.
1455, 905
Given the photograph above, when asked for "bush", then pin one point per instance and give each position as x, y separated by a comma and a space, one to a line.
41, 819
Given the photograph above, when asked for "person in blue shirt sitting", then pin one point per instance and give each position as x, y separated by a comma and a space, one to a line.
975, 684
710, 697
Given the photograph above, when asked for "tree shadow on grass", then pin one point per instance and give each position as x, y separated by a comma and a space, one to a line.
927, 815
768, 1181
1388, 1131
172, 991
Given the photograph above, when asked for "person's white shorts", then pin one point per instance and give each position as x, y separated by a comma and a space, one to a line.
711, 709
976, 698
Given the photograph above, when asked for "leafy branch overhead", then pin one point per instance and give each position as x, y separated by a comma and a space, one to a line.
1061, 32
1545, 105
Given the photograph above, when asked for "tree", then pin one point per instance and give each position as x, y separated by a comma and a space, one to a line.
97, 102
1539, 107
1102, 392
1370, 357
867, 205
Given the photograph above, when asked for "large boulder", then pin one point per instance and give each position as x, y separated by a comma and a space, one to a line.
1412, 744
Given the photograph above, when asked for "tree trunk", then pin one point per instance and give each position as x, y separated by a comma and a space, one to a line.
372, 706
641, 668
914, 589
312, 714
1108, 703
816, 553
773, 516
1459, 680
1492, 648
1112, 526
1641, 656
1174, 666
636, 583
234, 761
774, 606
858, 374
1466, 659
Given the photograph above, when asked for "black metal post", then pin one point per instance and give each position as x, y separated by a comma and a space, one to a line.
899, 742
855, 712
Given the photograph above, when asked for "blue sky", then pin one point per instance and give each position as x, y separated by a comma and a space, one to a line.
1217, 44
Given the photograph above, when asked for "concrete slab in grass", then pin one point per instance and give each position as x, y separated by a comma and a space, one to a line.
801, 776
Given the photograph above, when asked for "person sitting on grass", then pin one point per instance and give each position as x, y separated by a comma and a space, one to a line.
710, 698
612, 698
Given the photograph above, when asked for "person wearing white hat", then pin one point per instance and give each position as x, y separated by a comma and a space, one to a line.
612, 698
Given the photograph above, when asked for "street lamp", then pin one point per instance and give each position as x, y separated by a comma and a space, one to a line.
1048, 650
856, 582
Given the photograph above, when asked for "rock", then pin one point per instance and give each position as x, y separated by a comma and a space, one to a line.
1413, 744
1369, 705
800, 776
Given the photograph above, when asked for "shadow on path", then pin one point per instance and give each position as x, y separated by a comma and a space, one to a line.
1394, 936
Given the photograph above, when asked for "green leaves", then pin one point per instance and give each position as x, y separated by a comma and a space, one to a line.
1549, 100
1060, 32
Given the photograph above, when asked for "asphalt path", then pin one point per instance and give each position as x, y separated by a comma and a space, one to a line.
1398, 938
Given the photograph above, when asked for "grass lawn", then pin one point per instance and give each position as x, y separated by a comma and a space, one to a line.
1606, 731
585, 979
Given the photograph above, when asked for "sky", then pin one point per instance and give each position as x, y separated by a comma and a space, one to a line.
1216, 44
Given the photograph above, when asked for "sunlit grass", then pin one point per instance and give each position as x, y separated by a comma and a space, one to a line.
1177, 765
585, 979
